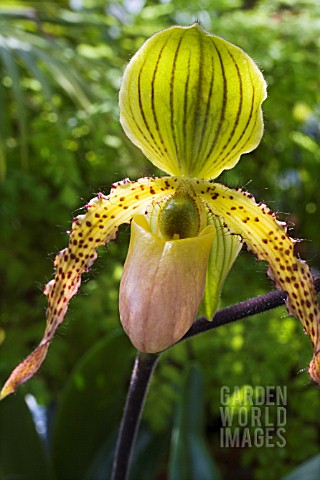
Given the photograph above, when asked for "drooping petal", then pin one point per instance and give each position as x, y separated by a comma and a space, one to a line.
192, 102
97, 227
224, 251
162, 286
267, 238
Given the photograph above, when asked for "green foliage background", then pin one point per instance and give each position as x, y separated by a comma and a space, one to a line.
60, 143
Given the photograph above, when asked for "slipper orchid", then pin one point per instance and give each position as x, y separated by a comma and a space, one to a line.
191, 102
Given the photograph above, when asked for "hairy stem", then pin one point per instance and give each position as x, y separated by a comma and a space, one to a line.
145, 364
140, 378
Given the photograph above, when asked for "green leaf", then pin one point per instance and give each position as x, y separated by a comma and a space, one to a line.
44, 60
224, 251
90, 409
309, 470
149, 453
30, 62
9, 62
4, 122
66, 78
21, 452
190, 458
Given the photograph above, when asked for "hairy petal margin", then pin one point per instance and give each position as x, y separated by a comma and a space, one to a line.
98, 226
267, 238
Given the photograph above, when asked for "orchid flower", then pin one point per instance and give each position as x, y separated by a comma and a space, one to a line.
191, 102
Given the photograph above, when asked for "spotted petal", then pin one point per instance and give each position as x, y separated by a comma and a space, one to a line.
267, 238
97, 227
192, 102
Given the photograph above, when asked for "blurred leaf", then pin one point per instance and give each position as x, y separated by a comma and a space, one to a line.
190, 458
90, 408
149, 451
10, 65
102, 461
307, 471
2, 134
21, 452
44, 60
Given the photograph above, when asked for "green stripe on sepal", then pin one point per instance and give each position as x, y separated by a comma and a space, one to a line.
192, 102
224, 251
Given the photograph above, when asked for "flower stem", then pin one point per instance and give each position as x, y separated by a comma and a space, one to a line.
140, 378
